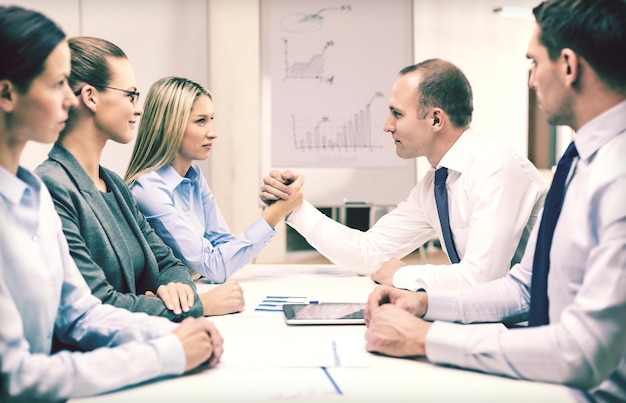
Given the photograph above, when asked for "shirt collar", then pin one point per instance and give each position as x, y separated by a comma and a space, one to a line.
457, 157
173, 178
15, 187
600, 130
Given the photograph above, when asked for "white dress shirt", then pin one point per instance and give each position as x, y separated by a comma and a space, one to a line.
42, 291
494, 197
585, 343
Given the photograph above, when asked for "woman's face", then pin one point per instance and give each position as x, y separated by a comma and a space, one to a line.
117, 111
40, 113
199, 133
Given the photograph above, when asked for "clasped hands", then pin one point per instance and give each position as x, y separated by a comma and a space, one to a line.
201, 341
394, 322
276, 186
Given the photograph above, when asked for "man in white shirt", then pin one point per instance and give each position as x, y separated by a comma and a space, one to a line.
576, 281
494, 195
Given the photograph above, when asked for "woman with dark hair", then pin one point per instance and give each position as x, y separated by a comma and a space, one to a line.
41, 290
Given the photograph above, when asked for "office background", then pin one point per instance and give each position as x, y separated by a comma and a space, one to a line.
217, 43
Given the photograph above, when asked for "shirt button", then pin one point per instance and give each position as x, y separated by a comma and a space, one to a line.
35, 237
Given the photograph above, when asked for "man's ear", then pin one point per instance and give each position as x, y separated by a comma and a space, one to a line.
570, 66
7, 96
438, 118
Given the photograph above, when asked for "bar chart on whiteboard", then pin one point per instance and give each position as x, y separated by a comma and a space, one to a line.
344, 137
328, 68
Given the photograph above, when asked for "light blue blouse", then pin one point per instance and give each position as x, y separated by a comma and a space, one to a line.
184, 212
42, 291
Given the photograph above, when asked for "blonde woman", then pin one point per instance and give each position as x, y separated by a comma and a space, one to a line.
41, 290
175, 131
124, 262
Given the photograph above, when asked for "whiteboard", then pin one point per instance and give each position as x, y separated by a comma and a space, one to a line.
327, 69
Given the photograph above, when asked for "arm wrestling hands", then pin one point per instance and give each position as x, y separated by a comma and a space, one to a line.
276, 186
282, 192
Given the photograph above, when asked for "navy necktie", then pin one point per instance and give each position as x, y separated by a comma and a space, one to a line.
539, 303
441, 198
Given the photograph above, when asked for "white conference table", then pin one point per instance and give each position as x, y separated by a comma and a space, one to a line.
267, 360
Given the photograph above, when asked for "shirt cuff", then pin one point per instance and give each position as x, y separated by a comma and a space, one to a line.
443, 304
451, 343
260, 231
300, 218
172, 354
405, 277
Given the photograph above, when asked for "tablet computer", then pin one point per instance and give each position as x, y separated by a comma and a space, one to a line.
326, 313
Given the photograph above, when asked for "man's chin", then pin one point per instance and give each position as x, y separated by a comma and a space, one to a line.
402, 154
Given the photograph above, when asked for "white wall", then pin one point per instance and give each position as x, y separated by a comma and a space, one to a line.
234, 76
491, 51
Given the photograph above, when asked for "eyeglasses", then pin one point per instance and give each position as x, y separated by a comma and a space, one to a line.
133, 95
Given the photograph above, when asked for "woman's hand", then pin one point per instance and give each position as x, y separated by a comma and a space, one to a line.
223, 299
177, 297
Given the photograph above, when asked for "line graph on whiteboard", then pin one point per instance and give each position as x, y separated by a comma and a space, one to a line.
310, 69
311, 22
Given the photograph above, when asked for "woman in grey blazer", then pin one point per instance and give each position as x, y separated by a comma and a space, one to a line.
124, 261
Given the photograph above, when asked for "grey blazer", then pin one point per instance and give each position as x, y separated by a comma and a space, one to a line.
96, 243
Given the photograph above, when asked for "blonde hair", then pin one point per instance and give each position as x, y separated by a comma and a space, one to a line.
166, 113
